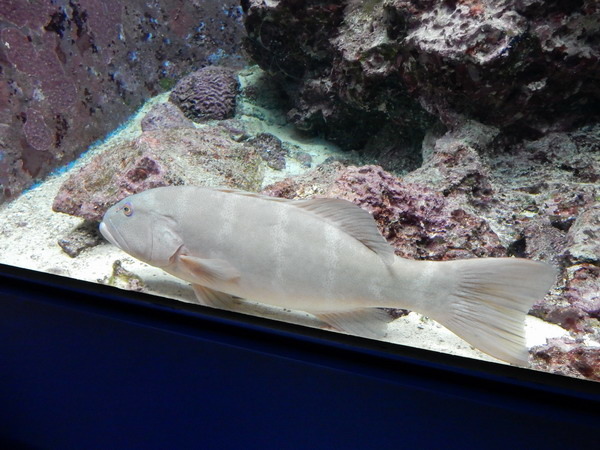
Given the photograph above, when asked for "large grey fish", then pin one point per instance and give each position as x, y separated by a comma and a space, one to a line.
325, 257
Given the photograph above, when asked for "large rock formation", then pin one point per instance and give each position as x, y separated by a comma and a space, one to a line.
351, 66
74, 70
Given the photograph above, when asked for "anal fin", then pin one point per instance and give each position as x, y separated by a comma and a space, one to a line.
367, 322
215, 299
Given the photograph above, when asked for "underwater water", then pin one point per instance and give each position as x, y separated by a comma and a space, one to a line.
444, 193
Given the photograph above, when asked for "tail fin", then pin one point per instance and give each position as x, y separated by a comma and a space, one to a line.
490, 300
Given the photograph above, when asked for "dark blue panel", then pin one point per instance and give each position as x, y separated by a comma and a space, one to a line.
86, 366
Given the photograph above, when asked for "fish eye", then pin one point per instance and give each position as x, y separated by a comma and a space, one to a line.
127, 209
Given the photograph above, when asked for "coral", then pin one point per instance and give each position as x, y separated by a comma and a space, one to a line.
123, 278
165, 115
159, 158
208, 93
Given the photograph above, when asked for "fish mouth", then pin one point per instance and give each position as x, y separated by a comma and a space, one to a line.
107, 235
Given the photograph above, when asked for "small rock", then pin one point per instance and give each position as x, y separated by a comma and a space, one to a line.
303, 158
584, 237
270, 150
582, 288
123, 279
84, 236
165, 115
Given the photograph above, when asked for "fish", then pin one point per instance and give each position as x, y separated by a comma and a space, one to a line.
324, 256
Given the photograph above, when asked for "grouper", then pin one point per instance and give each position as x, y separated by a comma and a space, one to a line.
325, 257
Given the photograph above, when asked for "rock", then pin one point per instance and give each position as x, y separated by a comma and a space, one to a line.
271, 150
568, 357
455, 168
123, 278
165, 115
583, 238
84, 236
416, 219
325, 96
73, 71
583, 288
311, 184
206, 157
539, 239
208, 93
524, 67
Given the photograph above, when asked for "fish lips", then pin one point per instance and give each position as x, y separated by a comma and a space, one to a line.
107, 235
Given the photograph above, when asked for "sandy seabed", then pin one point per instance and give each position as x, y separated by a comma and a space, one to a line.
30, 231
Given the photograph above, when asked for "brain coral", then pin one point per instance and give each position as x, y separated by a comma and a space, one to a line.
208, 93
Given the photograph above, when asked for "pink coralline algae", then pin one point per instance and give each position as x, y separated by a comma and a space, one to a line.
208, 93
568, 357
420, 222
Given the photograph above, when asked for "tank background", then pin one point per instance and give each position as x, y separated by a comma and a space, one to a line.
72, 71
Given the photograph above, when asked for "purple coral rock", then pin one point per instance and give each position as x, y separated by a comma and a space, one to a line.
568, 357
420, 222
208, 93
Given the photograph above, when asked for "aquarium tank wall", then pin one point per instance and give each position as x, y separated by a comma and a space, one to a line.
463, 133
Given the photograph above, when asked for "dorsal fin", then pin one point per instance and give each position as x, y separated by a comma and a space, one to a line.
351, 219
347, 216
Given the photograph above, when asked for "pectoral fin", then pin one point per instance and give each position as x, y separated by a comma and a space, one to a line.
367, 322
215, 299
208, 271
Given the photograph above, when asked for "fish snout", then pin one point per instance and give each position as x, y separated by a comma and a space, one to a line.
107, 234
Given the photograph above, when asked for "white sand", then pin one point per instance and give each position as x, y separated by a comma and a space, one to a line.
29, 231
